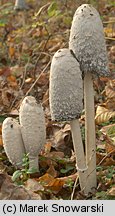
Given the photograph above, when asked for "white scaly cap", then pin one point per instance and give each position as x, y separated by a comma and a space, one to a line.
87, 41
65, 91
12, 141
32, 123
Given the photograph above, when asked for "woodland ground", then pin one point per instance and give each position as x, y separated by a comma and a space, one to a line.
28, 40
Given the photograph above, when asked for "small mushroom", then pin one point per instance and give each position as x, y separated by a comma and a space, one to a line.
32, 123
12, 141
20, 5
88, 43
66, 94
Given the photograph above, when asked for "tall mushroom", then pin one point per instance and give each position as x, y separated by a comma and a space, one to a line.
66, 94
12, 141
88, 43
32, 123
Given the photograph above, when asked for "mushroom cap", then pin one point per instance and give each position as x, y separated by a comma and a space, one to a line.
87, 41
65, 91
32, 123
12, 141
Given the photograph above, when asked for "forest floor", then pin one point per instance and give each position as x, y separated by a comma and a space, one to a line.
28, 41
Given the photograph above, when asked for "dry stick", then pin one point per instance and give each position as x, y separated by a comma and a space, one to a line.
80, 157
105, 157
74, 187
90, 130
32, 85
37, 79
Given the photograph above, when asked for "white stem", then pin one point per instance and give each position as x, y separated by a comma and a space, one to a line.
33, 163
90, 130
80, 158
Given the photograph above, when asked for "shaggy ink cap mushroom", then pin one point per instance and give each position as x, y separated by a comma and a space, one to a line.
20, 5
66, 94
66, 91
12, 141
87, 41
33, 130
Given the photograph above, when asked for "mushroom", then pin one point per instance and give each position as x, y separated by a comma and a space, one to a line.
12, 141
88, 44
65, 95
20, 5
32, 123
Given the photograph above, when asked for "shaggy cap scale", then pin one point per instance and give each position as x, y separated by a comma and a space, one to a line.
87, 41
65, 90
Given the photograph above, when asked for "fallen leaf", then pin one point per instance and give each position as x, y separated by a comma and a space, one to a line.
109, 133
111, 192
12, 81
11, 51
33, 185
10, 191
103, 115
52, 171
49, 182
47, 147
43, 79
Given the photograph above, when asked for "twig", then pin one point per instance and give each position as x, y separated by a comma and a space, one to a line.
37, 79
105, 157
109, 38
74, 187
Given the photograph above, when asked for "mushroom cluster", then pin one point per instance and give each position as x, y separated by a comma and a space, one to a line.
87, 58
27, 137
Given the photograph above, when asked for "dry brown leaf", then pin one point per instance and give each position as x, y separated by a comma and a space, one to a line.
5, 71
110, 104
12, 81
56, 185
6, 97
9, 191
55, 155
103, 115
110, 30
46, 179
49, 182
11, 51
43, 79
47, 147
52, 171
104, 159
109, 133
110, 93
111, 192
61, 140
33, 185
110, 89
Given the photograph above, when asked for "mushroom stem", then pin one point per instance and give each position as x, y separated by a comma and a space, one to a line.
90, 130
80, 158
33, 163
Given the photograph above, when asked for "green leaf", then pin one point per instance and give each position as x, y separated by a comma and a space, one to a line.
67, 169
2, 118
52, 9
31, 170
16, 175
